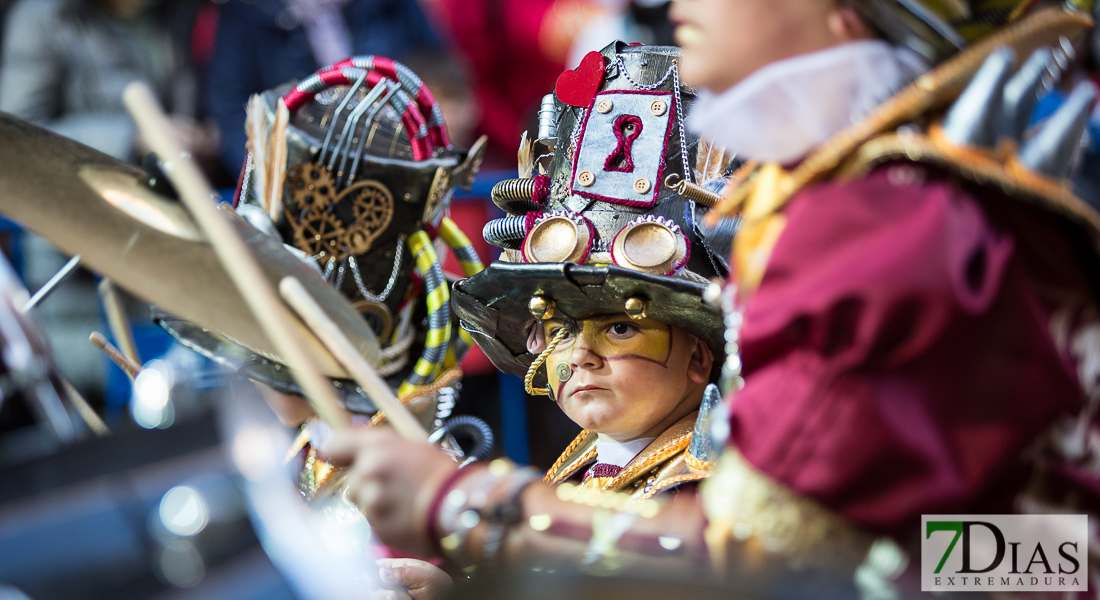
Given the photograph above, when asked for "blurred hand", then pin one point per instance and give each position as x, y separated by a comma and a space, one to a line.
421, 580
393, 481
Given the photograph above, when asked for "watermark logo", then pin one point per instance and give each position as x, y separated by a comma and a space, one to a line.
1019, 553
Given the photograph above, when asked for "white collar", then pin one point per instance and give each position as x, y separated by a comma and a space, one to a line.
610, 452
787, 108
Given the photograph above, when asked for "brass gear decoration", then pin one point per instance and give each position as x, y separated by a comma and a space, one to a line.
311, 187
372, 208
321, 234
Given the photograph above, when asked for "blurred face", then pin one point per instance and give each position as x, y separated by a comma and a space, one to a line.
629, 379
725, 41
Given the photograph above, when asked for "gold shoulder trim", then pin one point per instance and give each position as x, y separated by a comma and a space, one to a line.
674, 440
930, 91
666, 483
579, 452
999, 169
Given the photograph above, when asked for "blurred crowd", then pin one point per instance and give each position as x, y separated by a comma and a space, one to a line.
65, 62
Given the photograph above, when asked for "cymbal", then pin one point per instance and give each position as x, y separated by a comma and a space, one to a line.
87, 203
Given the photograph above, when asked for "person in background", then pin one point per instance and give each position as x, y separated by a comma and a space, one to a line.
516, 49
263, 43
641, 21
66, 62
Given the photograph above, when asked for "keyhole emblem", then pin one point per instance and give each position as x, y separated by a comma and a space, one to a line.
627, 129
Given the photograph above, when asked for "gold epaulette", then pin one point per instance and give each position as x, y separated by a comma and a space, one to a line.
929, 93
999, 169
759, 193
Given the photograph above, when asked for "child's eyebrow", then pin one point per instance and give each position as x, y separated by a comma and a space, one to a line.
601, 319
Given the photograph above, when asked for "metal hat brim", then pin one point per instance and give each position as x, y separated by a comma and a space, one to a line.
493, 305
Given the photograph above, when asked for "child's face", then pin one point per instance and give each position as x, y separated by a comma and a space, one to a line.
724, 41
627, 377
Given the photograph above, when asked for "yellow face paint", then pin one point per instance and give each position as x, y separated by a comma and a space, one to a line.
611, 338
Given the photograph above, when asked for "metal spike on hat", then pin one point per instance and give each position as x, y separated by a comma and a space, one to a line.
1053, 149
973, 119
702, 447
1022, 92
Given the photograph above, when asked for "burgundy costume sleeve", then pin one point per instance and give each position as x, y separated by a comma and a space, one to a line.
897, 359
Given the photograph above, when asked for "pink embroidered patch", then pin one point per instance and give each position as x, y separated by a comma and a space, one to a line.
627, 129
604, 470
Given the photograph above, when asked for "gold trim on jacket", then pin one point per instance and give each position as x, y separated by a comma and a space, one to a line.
663, 464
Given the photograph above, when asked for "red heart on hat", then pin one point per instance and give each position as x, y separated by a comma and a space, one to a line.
579, 87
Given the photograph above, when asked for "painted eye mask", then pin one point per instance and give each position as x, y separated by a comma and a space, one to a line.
613, 338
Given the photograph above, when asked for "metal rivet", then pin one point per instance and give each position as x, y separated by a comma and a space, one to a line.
564, 372
658, 107
541, 307
586, 178
642, 186
604, 106
636, 308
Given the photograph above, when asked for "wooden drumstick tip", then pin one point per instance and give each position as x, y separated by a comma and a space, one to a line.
128, 366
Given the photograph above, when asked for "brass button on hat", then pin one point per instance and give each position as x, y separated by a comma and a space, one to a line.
636, 308
541, 307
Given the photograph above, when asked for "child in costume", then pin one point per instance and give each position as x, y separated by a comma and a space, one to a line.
598, 301
604, 272
353, 170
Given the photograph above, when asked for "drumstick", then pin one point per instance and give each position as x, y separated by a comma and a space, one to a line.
117, 321
95, 423
342, 349
128, 366
235, 256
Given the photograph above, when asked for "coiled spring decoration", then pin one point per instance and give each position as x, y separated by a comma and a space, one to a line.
508, 232
475, 429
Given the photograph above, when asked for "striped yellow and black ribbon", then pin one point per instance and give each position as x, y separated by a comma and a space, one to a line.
464, 251
439, 314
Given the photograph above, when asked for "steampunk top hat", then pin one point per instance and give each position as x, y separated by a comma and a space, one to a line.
614, 222
353, 169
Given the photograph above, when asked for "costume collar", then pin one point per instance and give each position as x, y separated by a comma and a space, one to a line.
787, 108
610, 452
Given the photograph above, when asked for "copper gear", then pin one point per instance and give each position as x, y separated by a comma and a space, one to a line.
311, 187
372, 208
321, 233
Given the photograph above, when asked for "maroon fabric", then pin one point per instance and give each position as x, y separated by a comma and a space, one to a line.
604, 470
897, 358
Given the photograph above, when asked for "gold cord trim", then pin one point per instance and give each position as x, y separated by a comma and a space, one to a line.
671, 481
658, 456
569, 450
698, 465
530, 377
